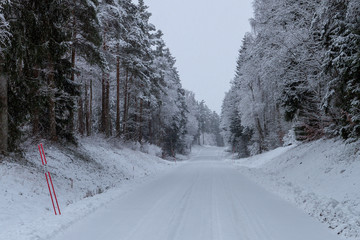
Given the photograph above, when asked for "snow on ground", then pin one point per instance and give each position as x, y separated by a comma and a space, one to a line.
321, 177
79, 175
203, 198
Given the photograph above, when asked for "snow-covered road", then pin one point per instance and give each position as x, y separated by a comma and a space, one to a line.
202, 199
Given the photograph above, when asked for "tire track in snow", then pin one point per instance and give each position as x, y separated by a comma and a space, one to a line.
243, 214
177, 220
215, 216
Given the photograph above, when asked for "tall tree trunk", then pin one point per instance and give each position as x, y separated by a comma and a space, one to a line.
140, 120
125, 102
261, 134
35, 121
3, 112
81, 116
118, 96
128, 98
90, 110
135, 132
279, 127
87, 111
107, 109
151, 137
52, 114
103, 105
73, 57
103, 96
151, 140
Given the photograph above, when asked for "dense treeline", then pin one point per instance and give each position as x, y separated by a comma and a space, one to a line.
298, 70
79, 67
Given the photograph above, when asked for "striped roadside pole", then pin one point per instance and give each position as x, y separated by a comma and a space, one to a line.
48, 179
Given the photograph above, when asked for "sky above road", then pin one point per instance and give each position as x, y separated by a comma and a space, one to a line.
204, 36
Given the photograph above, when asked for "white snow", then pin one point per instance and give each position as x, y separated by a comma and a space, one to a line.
203, 198
97, 166
321, 177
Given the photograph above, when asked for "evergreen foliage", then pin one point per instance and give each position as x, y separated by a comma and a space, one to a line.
297, 70
79, 67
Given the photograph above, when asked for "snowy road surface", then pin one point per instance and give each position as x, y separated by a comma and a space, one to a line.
202, 199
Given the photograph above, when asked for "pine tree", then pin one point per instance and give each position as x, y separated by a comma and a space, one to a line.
38, 69
341, 39
85, 42
110, 18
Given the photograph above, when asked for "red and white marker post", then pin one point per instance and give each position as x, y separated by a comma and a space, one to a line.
44, 163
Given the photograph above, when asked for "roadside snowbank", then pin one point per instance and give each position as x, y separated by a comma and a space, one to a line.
96, 166
321, 177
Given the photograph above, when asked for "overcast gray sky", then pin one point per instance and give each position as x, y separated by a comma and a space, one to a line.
204, 36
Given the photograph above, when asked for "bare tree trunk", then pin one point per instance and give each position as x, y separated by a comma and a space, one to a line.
87, 115
103, 105
136, 110
135, 136
125, 101
261, 134
3, 113
35, 122
73, 57
118, 96
151, 140
90, 110
279, 127
81, 116
103, 96
140, 120
52, 114
107, 109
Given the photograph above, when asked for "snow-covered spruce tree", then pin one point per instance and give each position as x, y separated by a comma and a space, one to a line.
84, 29
277, 74
209, 126
12, 56
39, 73
192, 125
293, 52
171, 109
204, 118
110, 15
159, 66
337, 27
215, 129
55, 63
233, 131
50, 19
140, 87
137, 64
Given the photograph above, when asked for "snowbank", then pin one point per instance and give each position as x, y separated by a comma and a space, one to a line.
79, 176
321, 177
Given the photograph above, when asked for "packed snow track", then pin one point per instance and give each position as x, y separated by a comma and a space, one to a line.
202, 199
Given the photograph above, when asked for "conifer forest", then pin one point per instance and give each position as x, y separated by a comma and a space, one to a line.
179, 120
298, 70
81, 67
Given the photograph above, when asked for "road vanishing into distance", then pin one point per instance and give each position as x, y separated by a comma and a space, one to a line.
204, 198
